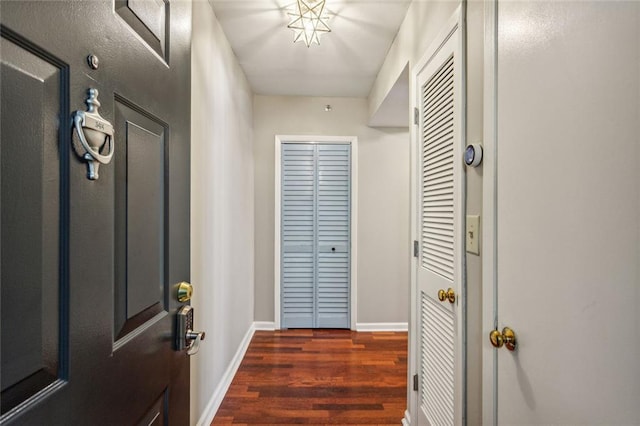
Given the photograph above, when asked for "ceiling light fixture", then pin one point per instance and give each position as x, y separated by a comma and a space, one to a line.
307, 21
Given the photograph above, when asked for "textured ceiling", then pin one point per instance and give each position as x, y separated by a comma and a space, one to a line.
344, 64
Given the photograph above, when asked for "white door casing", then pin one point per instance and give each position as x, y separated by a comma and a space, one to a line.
438, 200
353, 276
561, 263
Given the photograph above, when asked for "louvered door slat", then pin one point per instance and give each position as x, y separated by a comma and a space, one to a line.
440, 135
437, 125
437, 173
442, 152
437, 101
445, 112
441, 164
438, 182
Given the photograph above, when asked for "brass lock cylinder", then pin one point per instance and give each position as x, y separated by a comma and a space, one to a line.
185, 291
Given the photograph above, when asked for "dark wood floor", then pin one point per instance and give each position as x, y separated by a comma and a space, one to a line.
319, 377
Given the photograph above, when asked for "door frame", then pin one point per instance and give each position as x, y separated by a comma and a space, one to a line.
490, 213
353, 249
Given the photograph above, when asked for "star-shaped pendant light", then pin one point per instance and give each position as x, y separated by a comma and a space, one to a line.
307, 21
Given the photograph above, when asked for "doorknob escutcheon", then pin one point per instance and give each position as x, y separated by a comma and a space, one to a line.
506, 338
449, 295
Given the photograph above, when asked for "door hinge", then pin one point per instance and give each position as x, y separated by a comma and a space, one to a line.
416, 115
416, 248
415, 382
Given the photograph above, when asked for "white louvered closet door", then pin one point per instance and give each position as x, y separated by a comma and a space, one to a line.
439, 264
315, 235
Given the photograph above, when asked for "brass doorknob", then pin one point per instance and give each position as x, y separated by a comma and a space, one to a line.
185, 290
449, 295
506, 338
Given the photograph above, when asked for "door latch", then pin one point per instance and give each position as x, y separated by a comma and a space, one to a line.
186, 338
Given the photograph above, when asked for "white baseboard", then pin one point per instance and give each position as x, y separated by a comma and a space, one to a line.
382, 326
218, 395
407, 419
264, 325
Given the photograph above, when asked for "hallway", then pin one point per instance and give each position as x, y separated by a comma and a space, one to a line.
487, 206
319, 377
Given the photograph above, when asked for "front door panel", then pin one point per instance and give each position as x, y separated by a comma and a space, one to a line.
140, 168
32, 100
89, 266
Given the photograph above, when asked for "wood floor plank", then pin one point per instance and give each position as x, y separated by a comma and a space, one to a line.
319, 377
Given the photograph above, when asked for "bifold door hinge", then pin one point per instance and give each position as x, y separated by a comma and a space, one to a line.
415, 382
416, 115
416, 249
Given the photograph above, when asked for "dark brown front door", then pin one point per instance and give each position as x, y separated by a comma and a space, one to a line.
88, 267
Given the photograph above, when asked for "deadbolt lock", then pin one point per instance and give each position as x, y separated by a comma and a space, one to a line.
185, 291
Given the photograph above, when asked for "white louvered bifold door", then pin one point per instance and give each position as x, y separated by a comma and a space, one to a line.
315, 235
439, 215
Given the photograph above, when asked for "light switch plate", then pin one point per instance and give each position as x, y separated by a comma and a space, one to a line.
473, 234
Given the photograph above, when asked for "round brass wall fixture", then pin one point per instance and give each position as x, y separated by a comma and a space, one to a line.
185, 290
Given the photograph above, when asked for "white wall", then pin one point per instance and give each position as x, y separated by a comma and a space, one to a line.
221, 204
383, 185
420, 26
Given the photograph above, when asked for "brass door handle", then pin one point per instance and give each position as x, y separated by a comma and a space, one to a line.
506, 338
449, 295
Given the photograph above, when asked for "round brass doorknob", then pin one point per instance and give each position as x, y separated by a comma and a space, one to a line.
496, 339
506, 338
449, 295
